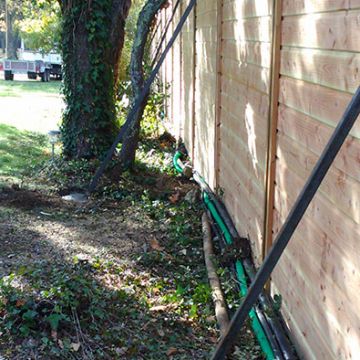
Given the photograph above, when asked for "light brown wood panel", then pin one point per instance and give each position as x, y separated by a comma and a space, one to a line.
205, 94
247, 8
239, 177
249, 223
333, 30
321, 103
334, 69
245, 117
207, 19
338, 268
314, 135
242, 94
256, 53
203, 7
241, 156
312, 341
188, 81
292, 7
250, 75
321, 212
256, 29
245, 132
252, 152
205, 34
317, 268
340, 189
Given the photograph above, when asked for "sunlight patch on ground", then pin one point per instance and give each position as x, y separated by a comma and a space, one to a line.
31, 105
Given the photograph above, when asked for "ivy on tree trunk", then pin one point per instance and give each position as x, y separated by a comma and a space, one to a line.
92, 41
144, 25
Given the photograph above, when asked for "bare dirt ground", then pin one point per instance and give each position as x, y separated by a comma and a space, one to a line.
121, 276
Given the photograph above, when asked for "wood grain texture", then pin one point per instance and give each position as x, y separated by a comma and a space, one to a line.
256, 53
296, 7
332, 31
246, 9
314, 136
333, 69
321, 103
339, 188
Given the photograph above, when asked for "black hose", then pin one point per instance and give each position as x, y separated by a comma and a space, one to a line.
275, 321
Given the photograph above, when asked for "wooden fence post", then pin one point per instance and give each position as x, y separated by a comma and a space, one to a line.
272, 130
220, 5
194, 92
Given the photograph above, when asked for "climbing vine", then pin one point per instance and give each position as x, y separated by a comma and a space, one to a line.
89, 121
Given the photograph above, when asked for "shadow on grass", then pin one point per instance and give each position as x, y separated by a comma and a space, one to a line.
20, 151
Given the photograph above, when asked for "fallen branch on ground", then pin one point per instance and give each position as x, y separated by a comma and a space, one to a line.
221, 314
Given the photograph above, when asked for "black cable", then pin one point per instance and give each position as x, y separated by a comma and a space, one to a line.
140, 99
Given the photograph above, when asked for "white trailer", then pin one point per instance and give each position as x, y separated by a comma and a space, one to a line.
33, 69
52, 58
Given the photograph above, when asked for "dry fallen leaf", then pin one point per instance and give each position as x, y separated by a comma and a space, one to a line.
171, 351
174, 198
155, 245
20, 302
61, 344
75, 346
161, 332
54, 334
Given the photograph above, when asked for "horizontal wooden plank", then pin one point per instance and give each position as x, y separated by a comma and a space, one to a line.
202, 7
247, 8
245, 117
257, 53
243, 94
249, 128
207, 19
248, 74
325, 253
206, 34
252, 228
242, 156
337, 70
237, 176
293, 7
321, 212
314, 135
253, 150
311, 315
341, 190
256, 29
334, 30
319, 102
247, 222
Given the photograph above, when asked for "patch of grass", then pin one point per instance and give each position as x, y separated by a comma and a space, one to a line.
20, 88
20, 152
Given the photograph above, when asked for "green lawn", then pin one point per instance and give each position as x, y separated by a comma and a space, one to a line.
31, 105
20, 88
19, 152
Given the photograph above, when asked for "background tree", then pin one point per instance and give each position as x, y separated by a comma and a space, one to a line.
11, 10
92, 41
144, 25
40, 25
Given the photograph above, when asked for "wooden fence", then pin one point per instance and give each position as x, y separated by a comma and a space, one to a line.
256, 87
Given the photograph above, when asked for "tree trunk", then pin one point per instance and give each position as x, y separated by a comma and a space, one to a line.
11, 38
131, 137
92, 40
